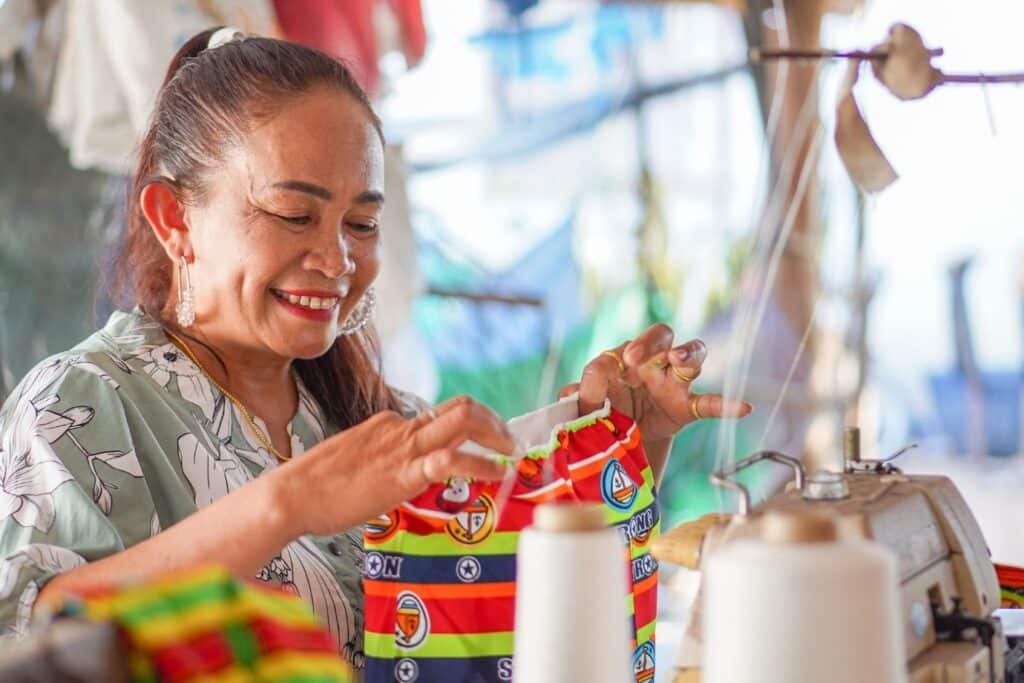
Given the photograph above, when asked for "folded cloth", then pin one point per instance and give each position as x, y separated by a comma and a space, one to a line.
1011, 586
207, 625
439, 572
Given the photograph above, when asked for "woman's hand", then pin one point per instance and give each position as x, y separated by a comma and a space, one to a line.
651, 381
373, 467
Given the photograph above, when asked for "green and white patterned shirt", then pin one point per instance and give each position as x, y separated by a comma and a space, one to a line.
104, 445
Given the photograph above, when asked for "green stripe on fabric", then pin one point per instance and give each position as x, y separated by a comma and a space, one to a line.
242, 643
443, 545
646, 632
443, 645
176, 603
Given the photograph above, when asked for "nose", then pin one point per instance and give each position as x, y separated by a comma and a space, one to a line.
331, 255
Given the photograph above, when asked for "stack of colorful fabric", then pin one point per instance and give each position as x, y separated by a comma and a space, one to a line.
440, 571
205, 625
1011, 585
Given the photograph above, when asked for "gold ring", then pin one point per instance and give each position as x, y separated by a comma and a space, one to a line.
658, 362
680, 376
618, 359
693, 407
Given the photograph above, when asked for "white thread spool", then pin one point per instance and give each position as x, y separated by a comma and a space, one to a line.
571, 584
800, 606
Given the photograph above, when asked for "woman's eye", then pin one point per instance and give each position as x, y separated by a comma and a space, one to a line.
364, 228
296, 220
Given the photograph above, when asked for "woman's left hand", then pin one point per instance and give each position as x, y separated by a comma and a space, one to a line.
652, 382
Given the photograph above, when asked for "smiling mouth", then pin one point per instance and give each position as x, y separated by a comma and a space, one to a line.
313, 303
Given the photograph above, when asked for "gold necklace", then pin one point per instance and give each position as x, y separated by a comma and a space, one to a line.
264, 439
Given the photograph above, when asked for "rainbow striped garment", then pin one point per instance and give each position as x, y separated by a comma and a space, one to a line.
204, 625
439, 572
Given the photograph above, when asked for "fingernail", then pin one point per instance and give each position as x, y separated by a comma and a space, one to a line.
680, 356
750, 407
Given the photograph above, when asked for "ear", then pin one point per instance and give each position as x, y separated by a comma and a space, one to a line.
166, 216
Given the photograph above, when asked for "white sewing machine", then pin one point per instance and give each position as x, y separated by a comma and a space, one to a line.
947, 581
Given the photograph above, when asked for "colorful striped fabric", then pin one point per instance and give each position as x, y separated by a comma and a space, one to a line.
440, 571
205, 625
1011, 586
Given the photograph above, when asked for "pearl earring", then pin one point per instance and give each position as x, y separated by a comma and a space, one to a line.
186, 306
361, 315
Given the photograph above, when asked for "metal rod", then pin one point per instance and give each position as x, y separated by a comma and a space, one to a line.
983, 78
758, 54
722, 478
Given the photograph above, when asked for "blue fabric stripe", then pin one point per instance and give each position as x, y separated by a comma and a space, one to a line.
439, 569
410, 669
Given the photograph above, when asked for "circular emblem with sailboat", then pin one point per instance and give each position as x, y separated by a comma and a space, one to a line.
412, 623
643, 663
473, 523
617, 489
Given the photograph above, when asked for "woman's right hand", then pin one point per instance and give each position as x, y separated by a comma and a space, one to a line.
371, 468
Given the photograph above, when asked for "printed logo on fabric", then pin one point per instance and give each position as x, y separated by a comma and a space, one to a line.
617, 489
378, 566
505, 669
643, 567
453, 496
406, 670
643, 663
412, 622
468, 569
474, 523
382, 527
530, 472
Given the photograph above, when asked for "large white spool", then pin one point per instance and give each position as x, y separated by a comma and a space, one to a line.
571, 588
800, 606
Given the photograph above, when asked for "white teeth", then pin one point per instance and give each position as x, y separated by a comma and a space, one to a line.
315, 303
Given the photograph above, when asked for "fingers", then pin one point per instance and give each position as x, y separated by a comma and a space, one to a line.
654, 342
687, 359
568, 390
441, 465
458, 420
713, 405
599, 376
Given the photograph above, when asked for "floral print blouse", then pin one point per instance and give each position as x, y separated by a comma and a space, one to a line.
104, 445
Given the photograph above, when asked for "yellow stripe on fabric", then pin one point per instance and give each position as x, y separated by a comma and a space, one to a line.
298, 664
140, 597
235, 674
170, 628
453, 645
440, 544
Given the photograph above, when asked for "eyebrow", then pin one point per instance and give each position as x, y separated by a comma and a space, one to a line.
364, 197
303, 186
369, 197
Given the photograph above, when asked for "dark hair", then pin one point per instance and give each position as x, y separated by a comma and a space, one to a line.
210, 98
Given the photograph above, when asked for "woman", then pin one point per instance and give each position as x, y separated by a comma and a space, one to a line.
173, 436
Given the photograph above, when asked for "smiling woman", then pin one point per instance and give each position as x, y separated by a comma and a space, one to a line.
173, 436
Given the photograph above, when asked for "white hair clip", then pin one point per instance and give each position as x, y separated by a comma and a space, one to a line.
222, 36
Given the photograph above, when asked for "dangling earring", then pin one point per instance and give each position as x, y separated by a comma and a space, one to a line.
186, 307
361, 315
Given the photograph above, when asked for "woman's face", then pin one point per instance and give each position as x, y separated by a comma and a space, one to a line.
286, 240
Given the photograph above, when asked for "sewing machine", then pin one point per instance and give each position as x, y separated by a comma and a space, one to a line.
947, 582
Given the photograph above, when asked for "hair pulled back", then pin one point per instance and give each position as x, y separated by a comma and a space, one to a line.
208, 102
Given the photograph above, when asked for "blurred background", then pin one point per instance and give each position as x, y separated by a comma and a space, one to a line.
562, 174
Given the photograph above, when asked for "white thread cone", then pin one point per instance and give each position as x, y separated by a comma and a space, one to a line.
571, 585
